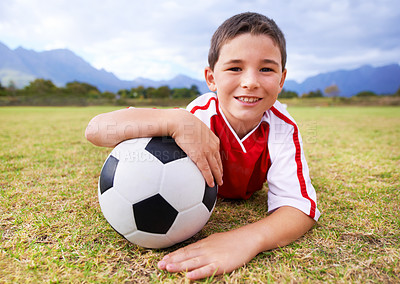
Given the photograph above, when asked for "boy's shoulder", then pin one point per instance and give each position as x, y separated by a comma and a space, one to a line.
207, 101
204, 107
278, 113
281, 123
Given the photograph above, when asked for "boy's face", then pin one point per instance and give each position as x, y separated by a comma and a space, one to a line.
248, 78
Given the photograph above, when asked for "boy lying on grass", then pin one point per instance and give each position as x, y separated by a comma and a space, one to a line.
239, 137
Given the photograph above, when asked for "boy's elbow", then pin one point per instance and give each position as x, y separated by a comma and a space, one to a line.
92, 131
89, 134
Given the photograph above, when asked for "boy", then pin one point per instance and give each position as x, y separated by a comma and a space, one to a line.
241, 133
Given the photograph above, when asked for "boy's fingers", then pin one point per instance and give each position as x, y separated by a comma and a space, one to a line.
216, 168
206, 172
209, 166
219, 176
203, 149
202, 272
186, 265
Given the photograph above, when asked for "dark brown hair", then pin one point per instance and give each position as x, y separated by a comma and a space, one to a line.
253, 23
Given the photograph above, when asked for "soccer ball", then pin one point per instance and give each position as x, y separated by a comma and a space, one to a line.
152, 194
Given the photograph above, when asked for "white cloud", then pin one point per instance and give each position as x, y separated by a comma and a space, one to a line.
160, 39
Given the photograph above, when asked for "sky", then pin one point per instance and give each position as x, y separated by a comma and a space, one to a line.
159, 39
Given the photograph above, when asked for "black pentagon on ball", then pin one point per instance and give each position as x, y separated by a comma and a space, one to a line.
107, 174
165, 149
154, 215
210, 196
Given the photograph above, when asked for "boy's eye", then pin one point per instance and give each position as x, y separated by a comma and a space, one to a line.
235, 69
266, 69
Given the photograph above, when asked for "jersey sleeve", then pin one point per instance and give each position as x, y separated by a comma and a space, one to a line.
288, 177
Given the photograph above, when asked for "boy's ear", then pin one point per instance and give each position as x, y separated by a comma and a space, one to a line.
210, 80
283, 78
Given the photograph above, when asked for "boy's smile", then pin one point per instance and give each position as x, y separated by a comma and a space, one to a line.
248, 77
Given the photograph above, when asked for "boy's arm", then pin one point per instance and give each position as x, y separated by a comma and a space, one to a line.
109, 129
224, 252
191, 134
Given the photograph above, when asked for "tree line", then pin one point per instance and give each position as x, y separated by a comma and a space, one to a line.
331, 91
45, 92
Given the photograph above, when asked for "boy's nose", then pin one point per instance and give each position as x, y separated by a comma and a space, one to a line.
249, 81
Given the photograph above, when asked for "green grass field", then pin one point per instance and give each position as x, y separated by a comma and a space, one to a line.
52, 229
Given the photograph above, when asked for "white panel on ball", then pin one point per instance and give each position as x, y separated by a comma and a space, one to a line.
139, 177
188, 223
183, 184
121, 216
129, 145
149, 240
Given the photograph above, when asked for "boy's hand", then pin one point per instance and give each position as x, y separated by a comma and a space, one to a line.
214, 255
224, 252
200, 144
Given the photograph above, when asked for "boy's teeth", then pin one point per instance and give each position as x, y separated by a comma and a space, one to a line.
248, 100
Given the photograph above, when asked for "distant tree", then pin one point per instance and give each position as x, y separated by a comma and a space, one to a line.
108, 95
139, 92
164, 92
288, 94
332, 91
124, 93
194, 90
366, 94
150, 91
313, 94
179, 93
11, 88
3, 90
94, 95
40, 87
79, 88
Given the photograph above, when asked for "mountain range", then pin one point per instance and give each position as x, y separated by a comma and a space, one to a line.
62, 66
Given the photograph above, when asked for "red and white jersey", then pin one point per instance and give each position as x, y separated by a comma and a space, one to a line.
271, 152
